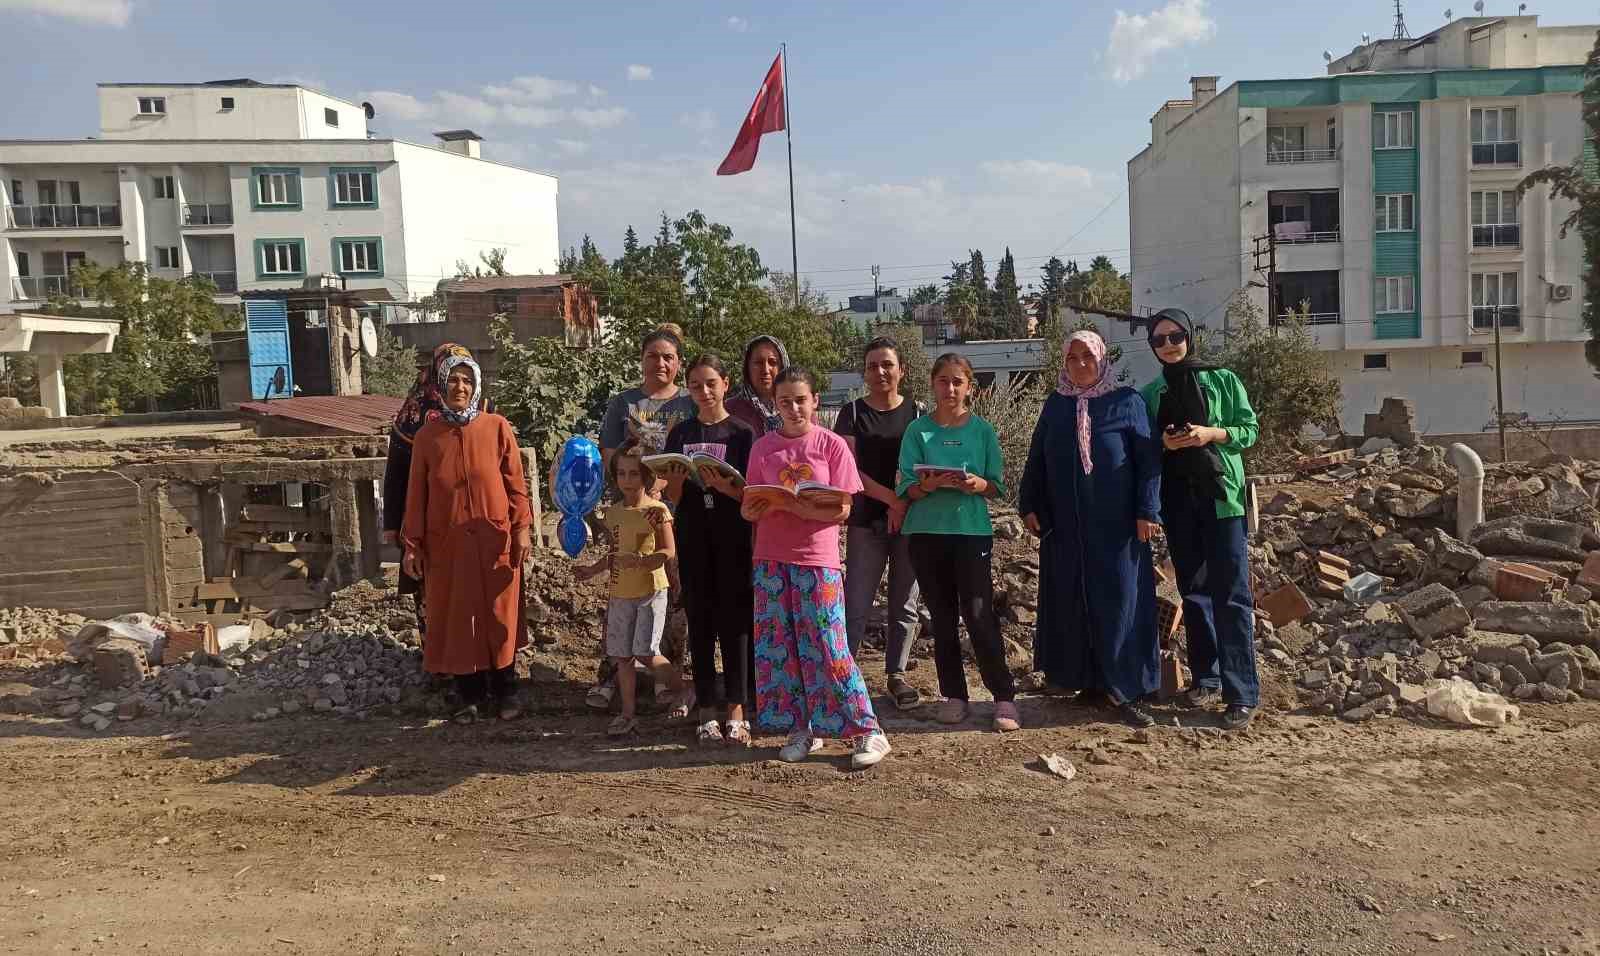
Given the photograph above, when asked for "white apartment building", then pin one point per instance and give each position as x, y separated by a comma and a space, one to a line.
260, 186
1388, 186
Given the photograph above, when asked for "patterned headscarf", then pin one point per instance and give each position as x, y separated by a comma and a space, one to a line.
768, 410
1102, 385
466, 415
424, 402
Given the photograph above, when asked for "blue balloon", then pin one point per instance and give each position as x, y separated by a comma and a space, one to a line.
580, 480
573, 534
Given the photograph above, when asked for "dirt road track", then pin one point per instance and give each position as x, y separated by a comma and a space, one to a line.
543, 836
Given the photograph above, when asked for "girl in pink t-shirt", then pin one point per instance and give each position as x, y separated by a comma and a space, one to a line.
806, 681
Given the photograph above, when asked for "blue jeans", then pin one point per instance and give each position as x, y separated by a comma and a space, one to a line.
1213, 568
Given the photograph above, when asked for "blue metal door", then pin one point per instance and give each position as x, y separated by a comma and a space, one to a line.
267, 334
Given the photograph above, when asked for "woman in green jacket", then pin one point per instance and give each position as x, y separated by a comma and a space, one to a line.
1205, 422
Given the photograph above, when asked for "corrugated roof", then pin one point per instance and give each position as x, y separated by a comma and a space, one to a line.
347, 414
505, 283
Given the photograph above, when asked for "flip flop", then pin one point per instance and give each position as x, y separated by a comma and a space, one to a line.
622, 726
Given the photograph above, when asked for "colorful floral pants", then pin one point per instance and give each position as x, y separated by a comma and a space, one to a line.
804, 672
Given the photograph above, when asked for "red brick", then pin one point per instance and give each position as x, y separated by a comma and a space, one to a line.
1285, 605
1589, 577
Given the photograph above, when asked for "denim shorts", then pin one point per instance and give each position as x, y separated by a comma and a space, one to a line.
634, 625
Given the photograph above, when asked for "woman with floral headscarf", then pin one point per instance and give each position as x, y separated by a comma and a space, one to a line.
1091, 492
466, 533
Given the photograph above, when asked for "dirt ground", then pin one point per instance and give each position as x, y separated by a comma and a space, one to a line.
543, 836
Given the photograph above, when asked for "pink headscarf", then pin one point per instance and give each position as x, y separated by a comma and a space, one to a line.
1102, 385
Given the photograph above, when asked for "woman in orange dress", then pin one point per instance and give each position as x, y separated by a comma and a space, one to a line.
467, 531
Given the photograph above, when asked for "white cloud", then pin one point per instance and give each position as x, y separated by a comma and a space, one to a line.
1040, 173
537, 89
402, 106
604, 118
455, 108
1138, 38
596, 92
105, 13
738, 24
298, 79
572, 147
535, 116
701, 121
638, 71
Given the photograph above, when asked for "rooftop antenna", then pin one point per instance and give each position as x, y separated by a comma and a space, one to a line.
1400, 31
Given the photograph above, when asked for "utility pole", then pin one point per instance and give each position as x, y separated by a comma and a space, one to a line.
1267, 246
1499, 388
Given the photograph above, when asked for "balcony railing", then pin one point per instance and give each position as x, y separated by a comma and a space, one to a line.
1275, 156
1313, 318
1508, 235
1288, 237
226, 282
1496, 154
1483, 317
65, 217
39, 288
208, 214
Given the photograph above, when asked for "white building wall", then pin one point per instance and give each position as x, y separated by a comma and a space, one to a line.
195, 112
455, 208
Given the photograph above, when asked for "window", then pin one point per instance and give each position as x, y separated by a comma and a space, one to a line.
363, 255
505, 303
1395, 213
1494, 219
1494, 296
1494, 137
1394, 294
227, 103
1392, 130
1375, 362
152, 105
1333, 133
276, 188
1472, 357
163, 187
16, 193
1283, 141
280, 257
353, 186
22, 265
330, 116
167, 257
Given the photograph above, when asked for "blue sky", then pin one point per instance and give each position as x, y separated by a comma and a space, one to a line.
921, 129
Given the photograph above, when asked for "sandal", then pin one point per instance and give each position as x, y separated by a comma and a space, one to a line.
709, 732
599, 696
621, 726
466, 715
738, 733
905, 696
680, 710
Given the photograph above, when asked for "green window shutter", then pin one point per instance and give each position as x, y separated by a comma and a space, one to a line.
1591, 161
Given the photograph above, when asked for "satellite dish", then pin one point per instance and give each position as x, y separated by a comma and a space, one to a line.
367, 108
1327, 55
1366, 38
1448, 14
369, 336
1478, 8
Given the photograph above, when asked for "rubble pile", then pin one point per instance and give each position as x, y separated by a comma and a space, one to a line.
1512, 609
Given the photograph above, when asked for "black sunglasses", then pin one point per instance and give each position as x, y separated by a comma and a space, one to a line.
1162, 340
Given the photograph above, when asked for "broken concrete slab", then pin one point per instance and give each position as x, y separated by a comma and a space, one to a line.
1542, 620
1520, 535
1433, 612
119, 661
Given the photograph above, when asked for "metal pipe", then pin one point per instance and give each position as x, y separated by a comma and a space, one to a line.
1469, 489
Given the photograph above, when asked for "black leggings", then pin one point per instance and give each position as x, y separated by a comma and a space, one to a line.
720, 607
499, 683
954, 575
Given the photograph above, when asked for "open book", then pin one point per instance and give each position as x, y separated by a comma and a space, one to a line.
940, 471
811, 492
691, 464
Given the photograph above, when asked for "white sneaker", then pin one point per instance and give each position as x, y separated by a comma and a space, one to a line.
869, 750
800, 746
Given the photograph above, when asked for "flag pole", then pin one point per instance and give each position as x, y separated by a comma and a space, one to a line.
788, 135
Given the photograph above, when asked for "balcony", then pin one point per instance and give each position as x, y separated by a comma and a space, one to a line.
1483, 317
1496, 154
207, 214
227, 283
1311, 318
1279, 155
65, 217
1314, 295
1300, 234
40, 288
1504, 236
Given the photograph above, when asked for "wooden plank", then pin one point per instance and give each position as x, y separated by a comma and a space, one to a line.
215, 620
254, 512
302, 602
288, 547
246, 588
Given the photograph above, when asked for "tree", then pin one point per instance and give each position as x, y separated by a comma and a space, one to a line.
491, 263
393, 370
1052, 292
782, 290
1579, 184
960, 301
160, 356
1289, 380
923, 295
1007, 312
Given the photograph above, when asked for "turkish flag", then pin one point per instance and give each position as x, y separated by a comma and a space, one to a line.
766, 116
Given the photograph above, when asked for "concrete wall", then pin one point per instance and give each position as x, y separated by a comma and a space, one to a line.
1528, 445
74, 542
455, 208
195, 112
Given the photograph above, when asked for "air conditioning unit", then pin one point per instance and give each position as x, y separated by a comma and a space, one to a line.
1560, 293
